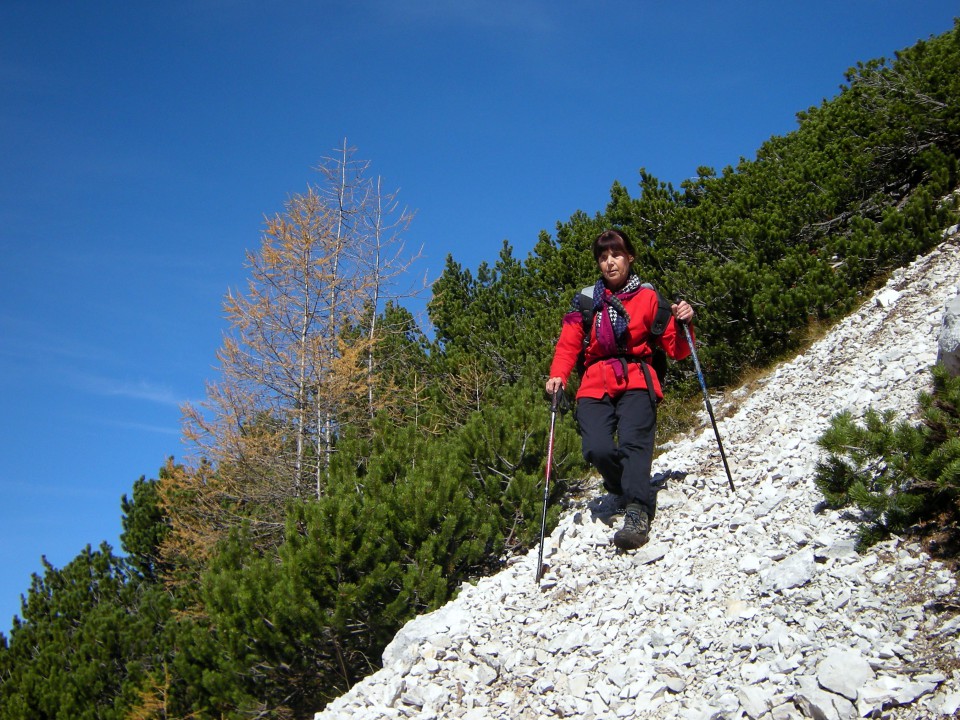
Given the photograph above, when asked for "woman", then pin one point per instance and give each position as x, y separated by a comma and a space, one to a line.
616, 409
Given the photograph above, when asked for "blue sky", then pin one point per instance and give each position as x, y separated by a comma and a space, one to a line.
143, 143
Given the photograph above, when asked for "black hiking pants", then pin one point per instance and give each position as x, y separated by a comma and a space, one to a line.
618, 437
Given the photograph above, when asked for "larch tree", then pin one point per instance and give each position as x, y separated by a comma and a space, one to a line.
299, 358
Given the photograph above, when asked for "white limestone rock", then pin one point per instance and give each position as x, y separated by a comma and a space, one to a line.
794, 571
844, 672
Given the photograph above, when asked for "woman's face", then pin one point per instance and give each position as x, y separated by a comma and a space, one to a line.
615, 266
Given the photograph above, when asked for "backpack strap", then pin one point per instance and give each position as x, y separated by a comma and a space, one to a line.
663, 312
585, 305
644, 366
585, 302
660, 320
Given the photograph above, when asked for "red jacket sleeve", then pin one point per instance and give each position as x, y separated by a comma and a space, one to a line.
568, 346
674, 340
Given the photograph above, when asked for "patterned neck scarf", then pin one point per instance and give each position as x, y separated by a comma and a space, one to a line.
611, 326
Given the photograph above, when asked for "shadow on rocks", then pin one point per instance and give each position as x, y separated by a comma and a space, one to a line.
607, 507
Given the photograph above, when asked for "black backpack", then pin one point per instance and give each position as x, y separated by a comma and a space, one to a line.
659, 359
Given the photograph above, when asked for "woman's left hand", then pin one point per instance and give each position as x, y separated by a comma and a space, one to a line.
682, 311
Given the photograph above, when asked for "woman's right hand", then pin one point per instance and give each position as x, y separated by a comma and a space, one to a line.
554, 385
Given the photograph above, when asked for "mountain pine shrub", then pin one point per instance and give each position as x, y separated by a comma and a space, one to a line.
898, 474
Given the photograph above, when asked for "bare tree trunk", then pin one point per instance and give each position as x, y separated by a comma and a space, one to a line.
375, 248
301, 408
325, 417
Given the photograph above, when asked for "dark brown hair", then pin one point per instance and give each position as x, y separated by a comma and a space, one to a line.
612, 239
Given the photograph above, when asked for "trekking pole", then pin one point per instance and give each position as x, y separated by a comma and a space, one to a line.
546, 484
706, 399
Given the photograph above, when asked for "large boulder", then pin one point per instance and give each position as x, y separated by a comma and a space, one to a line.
948, 346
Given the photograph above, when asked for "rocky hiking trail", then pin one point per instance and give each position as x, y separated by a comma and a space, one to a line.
751, 604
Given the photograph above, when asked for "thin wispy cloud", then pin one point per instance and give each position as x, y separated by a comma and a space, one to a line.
131, 389
28, 344
144, 427
32, 341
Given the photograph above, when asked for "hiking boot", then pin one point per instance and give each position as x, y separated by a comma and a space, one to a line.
636, 528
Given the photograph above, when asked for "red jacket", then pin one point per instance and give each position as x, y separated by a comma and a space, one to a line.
604, 374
